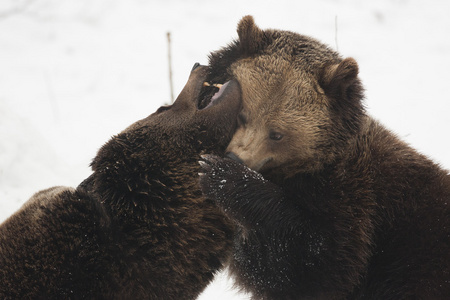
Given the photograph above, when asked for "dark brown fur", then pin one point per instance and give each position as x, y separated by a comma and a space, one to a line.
345, 209
139, 227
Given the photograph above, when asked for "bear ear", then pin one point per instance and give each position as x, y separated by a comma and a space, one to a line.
250, 36
335, 79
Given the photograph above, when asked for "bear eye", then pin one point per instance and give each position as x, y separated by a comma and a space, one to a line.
276, 136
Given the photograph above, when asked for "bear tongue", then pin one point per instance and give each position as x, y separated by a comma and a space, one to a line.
219, 92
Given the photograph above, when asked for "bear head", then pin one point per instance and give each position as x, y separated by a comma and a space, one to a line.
301, 102
162, 150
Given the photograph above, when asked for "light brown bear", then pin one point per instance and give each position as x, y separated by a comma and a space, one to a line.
345, 209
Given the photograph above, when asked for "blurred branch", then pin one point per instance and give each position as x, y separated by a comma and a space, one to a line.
170, 66
336, 32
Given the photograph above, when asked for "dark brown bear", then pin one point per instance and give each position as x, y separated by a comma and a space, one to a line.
345, 209
139, 226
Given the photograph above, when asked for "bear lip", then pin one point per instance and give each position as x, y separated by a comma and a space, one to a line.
214, 93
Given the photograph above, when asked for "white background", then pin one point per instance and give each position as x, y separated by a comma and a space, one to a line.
73, 73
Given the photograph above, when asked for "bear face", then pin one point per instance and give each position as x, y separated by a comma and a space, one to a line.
278, 128
138, 227
299, 99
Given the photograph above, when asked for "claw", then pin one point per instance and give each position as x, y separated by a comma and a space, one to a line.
204, 165
209, 157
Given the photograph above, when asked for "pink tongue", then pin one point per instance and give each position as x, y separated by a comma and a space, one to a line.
220, 92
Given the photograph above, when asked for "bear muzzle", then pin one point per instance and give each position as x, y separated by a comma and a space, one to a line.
256, 165
198, 94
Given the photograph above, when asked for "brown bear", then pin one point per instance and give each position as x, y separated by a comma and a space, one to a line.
139, 226
330, 204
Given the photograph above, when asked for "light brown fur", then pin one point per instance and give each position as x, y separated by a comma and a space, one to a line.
282, 97
341, 208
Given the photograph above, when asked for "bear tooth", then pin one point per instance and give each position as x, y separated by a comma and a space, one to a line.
217, 85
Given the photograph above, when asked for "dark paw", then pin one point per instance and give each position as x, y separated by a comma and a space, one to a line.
226, 180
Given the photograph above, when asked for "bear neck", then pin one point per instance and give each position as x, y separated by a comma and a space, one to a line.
135, 176
376, 166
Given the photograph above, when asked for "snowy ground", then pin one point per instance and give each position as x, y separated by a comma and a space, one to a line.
73, 73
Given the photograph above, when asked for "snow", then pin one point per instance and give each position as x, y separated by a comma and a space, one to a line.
73, 73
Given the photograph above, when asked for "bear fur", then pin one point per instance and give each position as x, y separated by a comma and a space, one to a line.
139, 226
329, 204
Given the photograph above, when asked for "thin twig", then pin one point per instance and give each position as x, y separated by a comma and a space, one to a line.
170, 66
336, 32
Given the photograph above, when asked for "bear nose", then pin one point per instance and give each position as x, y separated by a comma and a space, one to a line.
196, 65
234, 157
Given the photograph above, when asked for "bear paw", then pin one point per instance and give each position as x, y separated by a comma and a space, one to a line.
227, 181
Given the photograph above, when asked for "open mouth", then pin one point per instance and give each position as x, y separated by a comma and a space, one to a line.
210, 93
